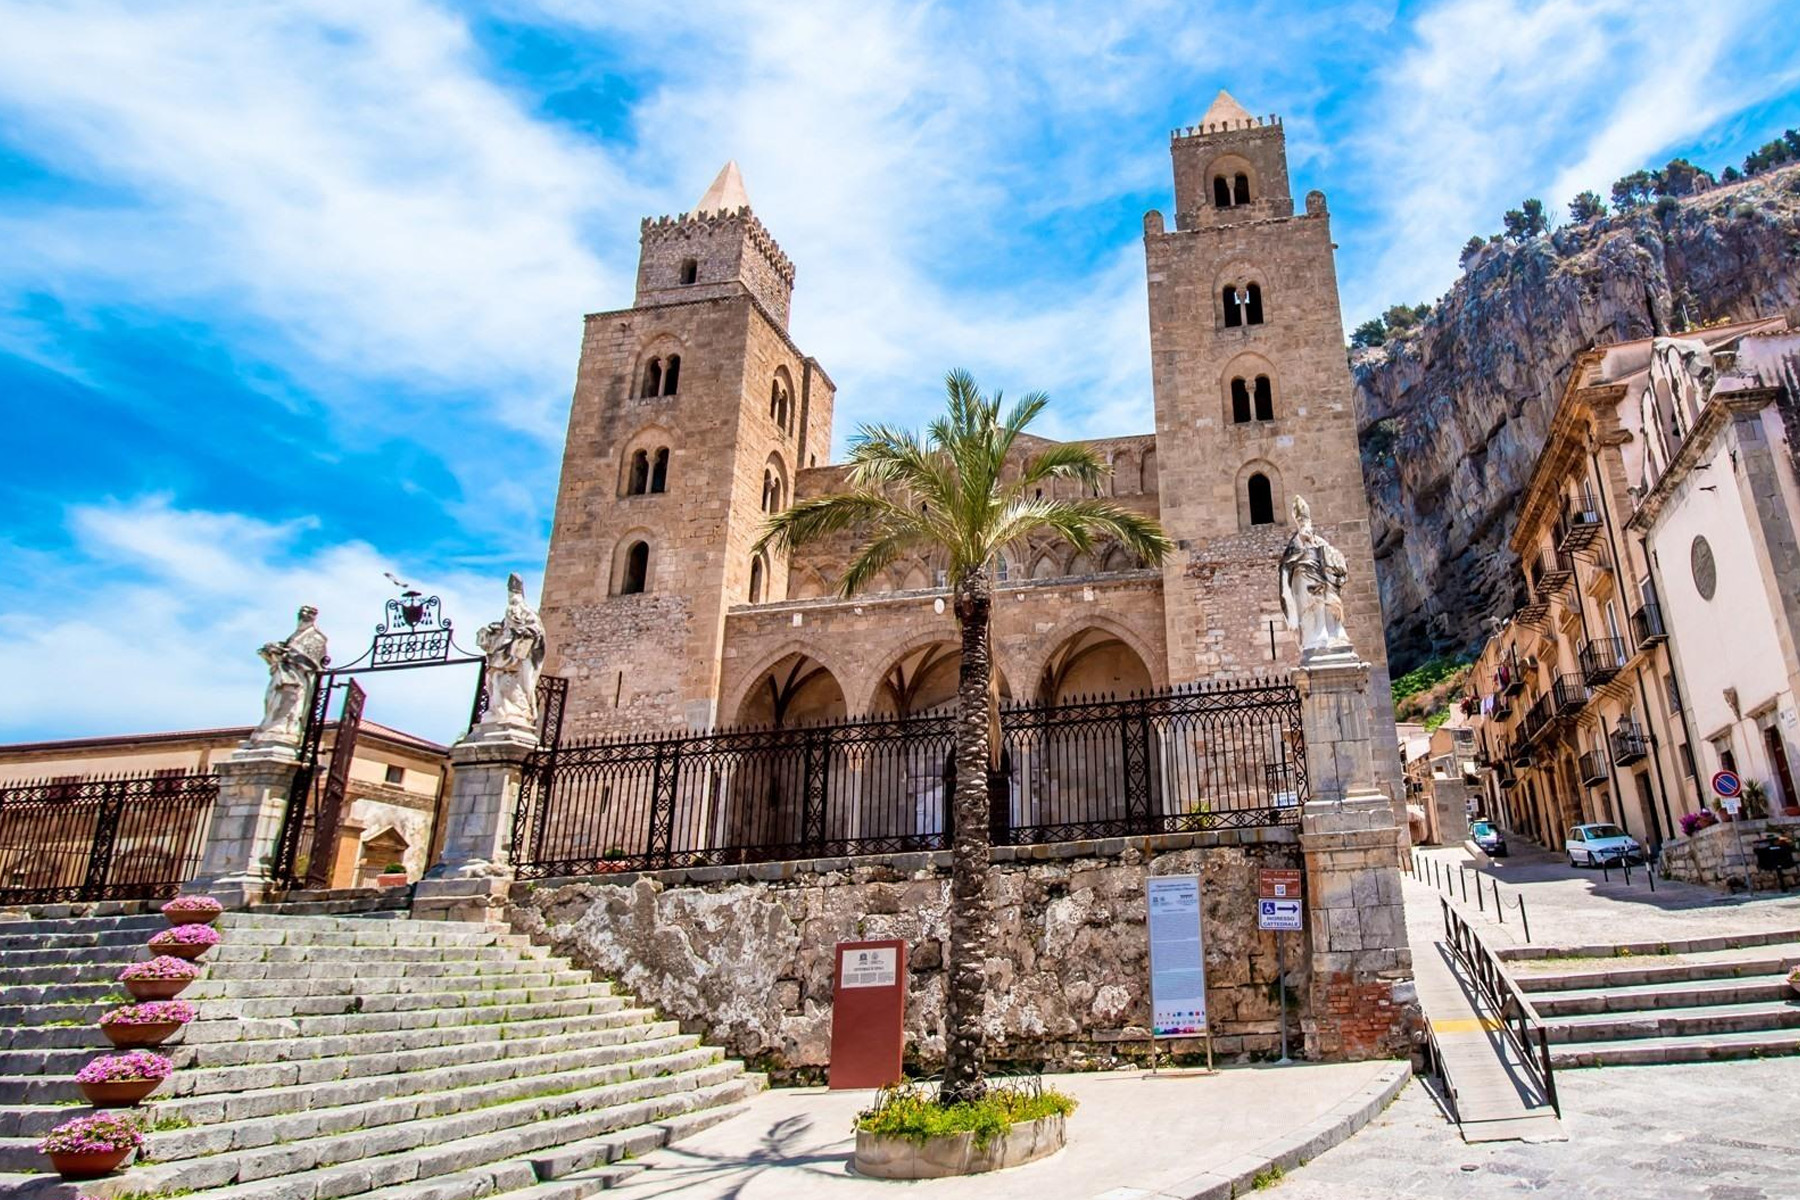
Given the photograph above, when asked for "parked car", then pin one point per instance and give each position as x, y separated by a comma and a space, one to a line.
1592, 845
1488, 838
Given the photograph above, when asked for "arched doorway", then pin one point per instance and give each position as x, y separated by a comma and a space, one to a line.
907, 794
759, 787
1093, 663
1071, 773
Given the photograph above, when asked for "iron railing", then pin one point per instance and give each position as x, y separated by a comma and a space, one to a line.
1519, 1020
1568, 696
1628, 745
1209, 757
1551, 573
1601, 659
1580, 523
1592, 766
122, 838
1647, 627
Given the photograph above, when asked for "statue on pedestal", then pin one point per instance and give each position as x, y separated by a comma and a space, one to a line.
514, 648
294, 664
1311, 575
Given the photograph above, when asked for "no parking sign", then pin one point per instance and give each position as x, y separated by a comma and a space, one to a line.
1729, 789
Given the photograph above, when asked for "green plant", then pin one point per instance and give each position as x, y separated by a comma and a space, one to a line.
394, 868
909, 1111
1268, 1178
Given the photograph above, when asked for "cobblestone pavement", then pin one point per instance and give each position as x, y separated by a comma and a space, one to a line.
1717, 1131
1573, 906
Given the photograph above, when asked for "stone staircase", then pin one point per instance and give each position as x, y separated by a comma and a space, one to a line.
1728, 1003
339, 1056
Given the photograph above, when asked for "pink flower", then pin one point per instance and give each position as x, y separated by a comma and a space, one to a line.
120, 1068
96, 1134
163, 966
154, 1012
187, 935
191, 904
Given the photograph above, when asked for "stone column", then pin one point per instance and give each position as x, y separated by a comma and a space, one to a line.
474, 872
255, 785
1450, 804
1363, 1001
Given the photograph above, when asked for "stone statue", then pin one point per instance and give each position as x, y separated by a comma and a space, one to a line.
294, 664
514, 648
1311, 576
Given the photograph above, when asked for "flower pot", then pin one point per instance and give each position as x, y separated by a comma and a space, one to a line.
189, 951
126, 1037
117, 1093
89, 1164
156, 989
191, 917
389, 880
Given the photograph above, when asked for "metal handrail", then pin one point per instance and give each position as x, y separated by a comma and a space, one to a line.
1519, 1019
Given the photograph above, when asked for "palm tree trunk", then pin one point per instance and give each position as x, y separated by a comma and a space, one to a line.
965, 1057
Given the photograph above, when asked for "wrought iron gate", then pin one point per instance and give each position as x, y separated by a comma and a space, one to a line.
120, 838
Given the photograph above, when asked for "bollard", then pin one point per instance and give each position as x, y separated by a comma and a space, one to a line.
1480, 901
1462, 873
1499, 905
1524, 918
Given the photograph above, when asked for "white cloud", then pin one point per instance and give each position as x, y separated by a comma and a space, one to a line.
153, 623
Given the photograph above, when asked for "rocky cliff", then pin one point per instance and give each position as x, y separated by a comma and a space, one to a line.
1454, 411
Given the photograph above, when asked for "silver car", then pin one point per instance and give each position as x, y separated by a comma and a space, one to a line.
1592, 845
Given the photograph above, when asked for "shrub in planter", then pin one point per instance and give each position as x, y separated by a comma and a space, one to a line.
1694, 822
185, 941
89, 1147
192, 910
115, 1080
148, 1024
910, 1134
162, 978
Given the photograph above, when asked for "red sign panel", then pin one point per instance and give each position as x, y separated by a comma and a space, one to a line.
1278, 885
868, 1014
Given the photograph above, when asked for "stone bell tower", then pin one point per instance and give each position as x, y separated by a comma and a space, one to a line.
692, 411
1254, 406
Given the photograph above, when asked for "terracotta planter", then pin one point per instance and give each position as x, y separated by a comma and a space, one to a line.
192, 918
118, 1093
886, 1156
90, 1165
187, 950
385, 880
156, 989
132, 1037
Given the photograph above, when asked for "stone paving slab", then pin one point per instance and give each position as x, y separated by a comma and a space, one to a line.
1179, 1136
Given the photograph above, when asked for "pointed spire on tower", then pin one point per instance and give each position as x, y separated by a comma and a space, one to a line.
727, 192
1225, 111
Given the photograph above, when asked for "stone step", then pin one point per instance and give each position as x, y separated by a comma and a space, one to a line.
1700, 1021
345, 1003
18, 1067
1645, 997
1647, 1051
576, 1157
235, 951
362, 1160
229, 987
286, 962
1636, 975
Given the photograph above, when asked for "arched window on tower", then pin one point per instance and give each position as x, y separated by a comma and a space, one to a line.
1265, 399
672, 375
781, 405
1240, 189
771, 497
690, 271
659, 471
638, 481
653, 378
756, 580
1234, 312
1240, 401
637, 570
1253, 314
1262, 500
1221, 192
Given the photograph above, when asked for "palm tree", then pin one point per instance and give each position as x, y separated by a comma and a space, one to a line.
947, 494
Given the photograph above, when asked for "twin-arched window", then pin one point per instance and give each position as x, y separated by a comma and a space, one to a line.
781, 400
649, 472
1243, 304
1228, 193
1252, 400
662, 376
774, 493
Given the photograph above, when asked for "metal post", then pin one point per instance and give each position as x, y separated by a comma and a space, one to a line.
1462, 873
1281, 984
1480, 900
1499, 906
1524, 918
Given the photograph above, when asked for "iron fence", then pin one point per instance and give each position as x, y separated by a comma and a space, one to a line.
122, 838
1186, 760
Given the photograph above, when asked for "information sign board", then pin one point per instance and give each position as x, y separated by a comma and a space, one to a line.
1282, 916
1177, 957
1278, 884
868, 1014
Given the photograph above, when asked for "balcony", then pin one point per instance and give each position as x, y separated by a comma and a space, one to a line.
1505, 777
1536, 718
1628, 745
1592, 767
1579, 527
1647, 627
1568, 697
1502, 707
1509, 680
1550, 574
1601, 659
1519, 753
1533, 612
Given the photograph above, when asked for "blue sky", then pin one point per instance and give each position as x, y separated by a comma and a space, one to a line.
292, 291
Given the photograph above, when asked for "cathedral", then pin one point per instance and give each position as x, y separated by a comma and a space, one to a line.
696, 415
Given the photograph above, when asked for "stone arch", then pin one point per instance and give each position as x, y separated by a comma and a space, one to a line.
915, 577
775, 493
791, 687
781, 400
1147, 480
1124, 473
657, 349
1259, 503
1243, 406
632, 573
638, 476
806, 584
1242, 182
897, 684
1096, 627
1045, 566
1252, 281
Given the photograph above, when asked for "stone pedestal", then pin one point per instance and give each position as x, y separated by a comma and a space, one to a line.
473, 873
1363, 1002
255, 785
1450, 809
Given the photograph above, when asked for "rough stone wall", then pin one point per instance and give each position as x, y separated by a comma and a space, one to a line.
1719, 854
746, 954
1454, 414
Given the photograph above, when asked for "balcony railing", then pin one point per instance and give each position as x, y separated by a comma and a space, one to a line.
1509, 678
1505, 777
1592, 766
1628, 745
1647, 626
1601, 659
1536, 718
1567, 697
1580, 523
1551, 573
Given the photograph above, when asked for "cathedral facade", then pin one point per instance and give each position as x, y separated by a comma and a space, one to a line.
696, 415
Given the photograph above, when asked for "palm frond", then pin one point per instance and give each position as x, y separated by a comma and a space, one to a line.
822, 516
874, 558
1068, 460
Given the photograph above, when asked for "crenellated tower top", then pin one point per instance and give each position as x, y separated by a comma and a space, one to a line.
716, 249
1230, 168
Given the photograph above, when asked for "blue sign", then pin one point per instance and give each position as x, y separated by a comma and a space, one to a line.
1727, 784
